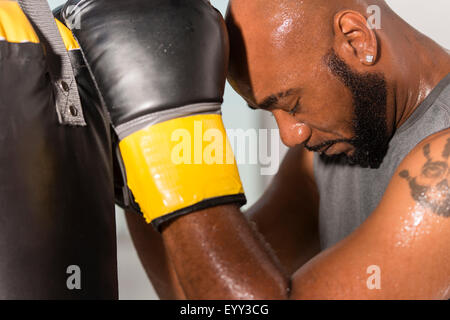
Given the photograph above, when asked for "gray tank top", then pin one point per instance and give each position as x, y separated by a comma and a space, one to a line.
349, 194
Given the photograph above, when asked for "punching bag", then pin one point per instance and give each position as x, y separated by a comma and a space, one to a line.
57, 222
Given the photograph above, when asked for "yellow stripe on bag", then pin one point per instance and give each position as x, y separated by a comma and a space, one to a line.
179, 163
67, 36
14, 25
16, 28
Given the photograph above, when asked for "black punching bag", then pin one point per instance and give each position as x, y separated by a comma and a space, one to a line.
57, 223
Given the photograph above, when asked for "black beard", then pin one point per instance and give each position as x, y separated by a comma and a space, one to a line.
369, 93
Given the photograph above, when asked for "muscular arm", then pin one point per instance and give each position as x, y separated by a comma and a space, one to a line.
152, 254
216, 254
286, 216
287, 213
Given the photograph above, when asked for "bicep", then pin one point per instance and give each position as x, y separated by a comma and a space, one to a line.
287, 213
404, 243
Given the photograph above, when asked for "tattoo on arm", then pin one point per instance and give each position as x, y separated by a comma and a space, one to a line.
431, 188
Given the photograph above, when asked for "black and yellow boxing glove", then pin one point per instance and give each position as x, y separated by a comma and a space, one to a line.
160, 68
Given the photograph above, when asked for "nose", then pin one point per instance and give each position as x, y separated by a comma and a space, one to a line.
292, 132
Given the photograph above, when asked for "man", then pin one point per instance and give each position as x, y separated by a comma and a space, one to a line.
375, 103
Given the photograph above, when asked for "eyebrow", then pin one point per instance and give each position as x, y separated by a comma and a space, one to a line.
271, 102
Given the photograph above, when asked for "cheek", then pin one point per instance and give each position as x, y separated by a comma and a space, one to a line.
329, 104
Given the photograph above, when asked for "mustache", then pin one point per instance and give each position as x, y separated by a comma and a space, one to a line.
327, 144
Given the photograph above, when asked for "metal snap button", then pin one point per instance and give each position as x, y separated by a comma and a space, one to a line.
73, 111
65, 86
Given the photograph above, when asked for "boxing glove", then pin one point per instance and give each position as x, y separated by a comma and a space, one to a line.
160, 68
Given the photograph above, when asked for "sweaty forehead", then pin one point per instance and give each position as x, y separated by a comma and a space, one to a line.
270, 23
272, 42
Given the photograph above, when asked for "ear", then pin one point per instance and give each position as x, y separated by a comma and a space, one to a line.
354, 39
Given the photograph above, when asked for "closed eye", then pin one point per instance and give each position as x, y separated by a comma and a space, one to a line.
296, 108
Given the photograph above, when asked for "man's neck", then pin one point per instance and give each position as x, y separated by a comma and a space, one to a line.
427, 64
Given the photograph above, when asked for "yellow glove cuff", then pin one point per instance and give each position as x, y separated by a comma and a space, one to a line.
180, 166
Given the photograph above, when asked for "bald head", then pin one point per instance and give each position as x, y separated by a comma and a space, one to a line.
281, 36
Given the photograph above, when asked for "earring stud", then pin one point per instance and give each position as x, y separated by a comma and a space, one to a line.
369, 58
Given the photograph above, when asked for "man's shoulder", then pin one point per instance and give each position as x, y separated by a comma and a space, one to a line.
427, 170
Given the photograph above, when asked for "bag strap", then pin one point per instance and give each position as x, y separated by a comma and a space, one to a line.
67, 98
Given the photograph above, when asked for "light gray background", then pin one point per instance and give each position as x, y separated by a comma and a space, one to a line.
431, 17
